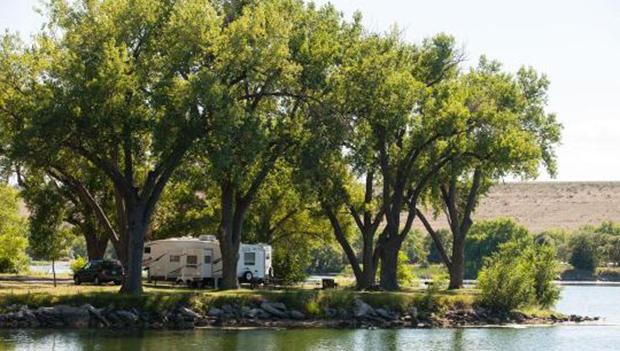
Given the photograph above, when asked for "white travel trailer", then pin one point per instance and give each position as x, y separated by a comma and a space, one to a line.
198, 261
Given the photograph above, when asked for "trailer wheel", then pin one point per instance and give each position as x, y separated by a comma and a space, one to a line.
248, 277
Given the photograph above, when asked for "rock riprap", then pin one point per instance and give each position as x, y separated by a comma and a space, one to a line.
261, 314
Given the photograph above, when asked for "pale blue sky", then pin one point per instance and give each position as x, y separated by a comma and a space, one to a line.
576, 43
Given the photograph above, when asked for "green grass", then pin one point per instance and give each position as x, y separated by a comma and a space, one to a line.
312, 302
429, 271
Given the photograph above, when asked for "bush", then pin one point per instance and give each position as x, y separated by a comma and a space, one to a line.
544, 268
289, 266
405, 274
520, 274
325, 259
584, 254
13, 233
484, 239
77, 264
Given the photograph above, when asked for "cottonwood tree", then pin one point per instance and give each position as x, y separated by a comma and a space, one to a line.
49, 238
402, 129
48, 191
126, 86
514, 136
277, 55
284, 216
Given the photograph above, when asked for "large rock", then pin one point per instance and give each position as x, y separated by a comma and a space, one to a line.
382, 313
228, 309
97, 315
189, 314
70, 316
215, 312
258, 313
274, 309
330, 312
127, 316
294, 314
363, 310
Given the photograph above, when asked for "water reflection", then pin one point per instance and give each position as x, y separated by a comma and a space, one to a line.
600, 301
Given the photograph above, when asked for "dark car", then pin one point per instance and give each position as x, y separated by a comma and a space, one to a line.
99, 271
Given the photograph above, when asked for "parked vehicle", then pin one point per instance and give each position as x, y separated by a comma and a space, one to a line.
198, 261
99, 272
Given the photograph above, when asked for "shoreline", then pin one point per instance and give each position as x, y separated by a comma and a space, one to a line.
272, 315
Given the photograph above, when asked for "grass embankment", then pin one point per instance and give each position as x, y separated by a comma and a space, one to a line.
155, 299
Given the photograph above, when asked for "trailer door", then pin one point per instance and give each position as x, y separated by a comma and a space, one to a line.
207, 271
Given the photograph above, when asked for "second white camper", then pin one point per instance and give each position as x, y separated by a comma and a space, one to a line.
198, 261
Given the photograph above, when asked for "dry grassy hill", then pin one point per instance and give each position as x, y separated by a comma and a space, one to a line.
546, 205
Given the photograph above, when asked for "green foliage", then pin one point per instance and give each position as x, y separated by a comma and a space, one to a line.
406, 276
559, 239
326, 259
49, 238
257, 102
415, 247
520, 274
433, 253
77, 263
485, 238
13, 232
584, 253
544, 265
289, 266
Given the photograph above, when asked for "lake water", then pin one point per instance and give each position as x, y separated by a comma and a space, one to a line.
586, 300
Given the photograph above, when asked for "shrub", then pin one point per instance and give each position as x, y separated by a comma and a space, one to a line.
77, 263
289, 266
405, 274
484, 239
520, 274
544, 268
13, 233
584, 254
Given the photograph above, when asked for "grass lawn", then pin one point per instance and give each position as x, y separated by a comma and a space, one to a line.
163, 297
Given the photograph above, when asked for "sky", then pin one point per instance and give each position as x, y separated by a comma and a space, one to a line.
576, 43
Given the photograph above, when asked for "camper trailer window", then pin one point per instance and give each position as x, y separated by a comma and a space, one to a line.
175, 258
249, 258
147, 250
192, 259
207, 259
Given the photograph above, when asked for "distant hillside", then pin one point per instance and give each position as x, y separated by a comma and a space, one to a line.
547, 205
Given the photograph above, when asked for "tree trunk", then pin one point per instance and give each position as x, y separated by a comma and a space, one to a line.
389, 264
230, 257
229, 245
369, 272
54, 271
136, 230
95, 244
368, 278
457, 267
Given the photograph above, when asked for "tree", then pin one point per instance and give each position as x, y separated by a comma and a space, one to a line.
394, 131
13, 232
71, 202
126, 86
584, 253
513, 136
282, 216
434, 256
49, 238
276, 55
